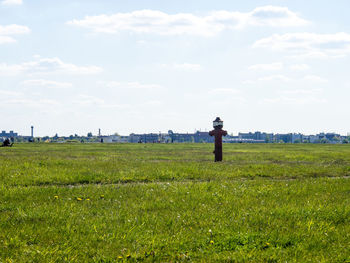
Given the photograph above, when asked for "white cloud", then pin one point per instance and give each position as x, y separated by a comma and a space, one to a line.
299, 67
275, 16
302, 91
308, 44
88, 100
131, 85
7, 33
248, 82
300, 100
227, 101
6, 40
46, 66
23, 99
275, 78
13, 30
223, 91
5, 93
153, 103
183, 66
10, 70
268, 67
157, 22
283, 78
46, 83
12, 2
314, 78
24, 102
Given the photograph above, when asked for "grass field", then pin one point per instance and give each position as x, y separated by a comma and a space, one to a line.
168, 203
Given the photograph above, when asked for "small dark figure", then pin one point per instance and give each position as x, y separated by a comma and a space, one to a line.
218, 132
7, 143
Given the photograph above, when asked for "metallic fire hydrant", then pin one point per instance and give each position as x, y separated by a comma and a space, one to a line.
218, 132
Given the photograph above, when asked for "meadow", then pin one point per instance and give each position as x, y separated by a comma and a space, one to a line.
171, 203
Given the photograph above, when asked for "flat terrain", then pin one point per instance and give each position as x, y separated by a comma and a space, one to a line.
158, 202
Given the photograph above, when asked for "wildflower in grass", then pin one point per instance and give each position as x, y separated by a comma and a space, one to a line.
79, 199
267, 245
87, 199
128, 256
211, 242
120, 257
102, 196
56, 196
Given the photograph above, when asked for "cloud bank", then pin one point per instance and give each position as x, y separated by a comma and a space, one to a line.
157, 22
267, 67
308, 44
11, 2
46, 66
131, 85
183, 66
46, 83
7, 32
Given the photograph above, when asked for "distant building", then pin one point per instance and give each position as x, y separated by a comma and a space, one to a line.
171, 137
313, 139
9, 134
108, 139
144, 138
203, 137
114, 139
197, 137
134, 138
256, 136
297, 138
236, 139
286, 138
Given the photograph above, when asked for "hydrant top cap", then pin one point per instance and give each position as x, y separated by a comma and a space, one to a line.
218, 122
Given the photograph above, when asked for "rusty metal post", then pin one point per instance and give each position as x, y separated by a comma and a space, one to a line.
218, 132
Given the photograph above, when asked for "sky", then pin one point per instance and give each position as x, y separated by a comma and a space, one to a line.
74, 66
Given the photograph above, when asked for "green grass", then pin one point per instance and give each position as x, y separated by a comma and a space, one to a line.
152, 202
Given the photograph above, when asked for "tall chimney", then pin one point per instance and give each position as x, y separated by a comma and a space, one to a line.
32, 131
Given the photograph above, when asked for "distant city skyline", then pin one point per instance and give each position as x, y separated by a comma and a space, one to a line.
276, 66
178, 137
11, 133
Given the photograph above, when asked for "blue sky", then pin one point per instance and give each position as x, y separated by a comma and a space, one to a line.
147, 66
